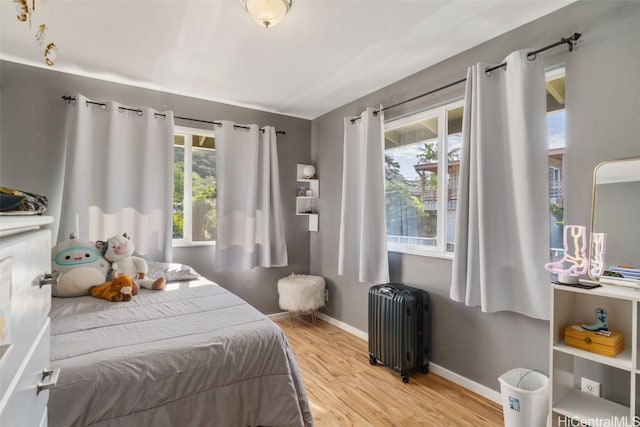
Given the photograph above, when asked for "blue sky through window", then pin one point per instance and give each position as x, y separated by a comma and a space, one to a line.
556, 129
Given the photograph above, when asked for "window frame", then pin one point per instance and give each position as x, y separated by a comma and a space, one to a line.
187, 210
441, 112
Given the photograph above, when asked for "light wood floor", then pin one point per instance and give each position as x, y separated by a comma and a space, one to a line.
345, 390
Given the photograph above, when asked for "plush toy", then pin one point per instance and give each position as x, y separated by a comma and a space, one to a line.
79, 265
118, 289
119, 251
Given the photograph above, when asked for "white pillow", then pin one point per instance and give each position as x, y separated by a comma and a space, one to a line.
172, 272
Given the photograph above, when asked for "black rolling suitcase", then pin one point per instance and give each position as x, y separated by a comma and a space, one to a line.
399, 328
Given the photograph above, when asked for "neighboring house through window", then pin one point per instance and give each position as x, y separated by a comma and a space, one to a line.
422, 151
194, 187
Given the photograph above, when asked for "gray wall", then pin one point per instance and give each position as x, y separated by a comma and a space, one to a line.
32, 121
602, 99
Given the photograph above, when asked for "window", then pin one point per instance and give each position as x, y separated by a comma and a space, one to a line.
556, 137
421, 151
194, 186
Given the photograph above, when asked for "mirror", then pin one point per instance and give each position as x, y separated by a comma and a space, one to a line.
615, 211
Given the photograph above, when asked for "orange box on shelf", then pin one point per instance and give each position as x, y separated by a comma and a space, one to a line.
590, 341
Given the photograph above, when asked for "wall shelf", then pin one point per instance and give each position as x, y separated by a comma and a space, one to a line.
307, 204
579, 405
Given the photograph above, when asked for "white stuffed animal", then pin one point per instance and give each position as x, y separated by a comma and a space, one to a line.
119, 251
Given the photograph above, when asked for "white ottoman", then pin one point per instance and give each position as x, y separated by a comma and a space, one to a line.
301, 293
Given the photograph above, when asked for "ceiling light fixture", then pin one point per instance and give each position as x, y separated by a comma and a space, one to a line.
267, 13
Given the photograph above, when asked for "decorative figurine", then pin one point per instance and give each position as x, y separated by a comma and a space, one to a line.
600, 323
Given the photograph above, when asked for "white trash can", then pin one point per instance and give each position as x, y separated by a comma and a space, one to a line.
525, 398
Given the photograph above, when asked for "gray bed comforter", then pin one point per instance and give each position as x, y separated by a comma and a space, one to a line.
192, 355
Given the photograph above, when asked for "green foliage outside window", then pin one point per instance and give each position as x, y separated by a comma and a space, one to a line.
557, 212
178, 192
204, 192
405, 216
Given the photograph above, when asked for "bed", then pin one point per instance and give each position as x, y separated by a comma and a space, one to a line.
192, 355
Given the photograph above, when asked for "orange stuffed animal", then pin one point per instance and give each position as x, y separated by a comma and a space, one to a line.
118, 289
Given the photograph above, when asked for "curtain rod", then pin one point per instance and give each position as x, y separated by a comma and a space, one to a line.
570, 41
71, 99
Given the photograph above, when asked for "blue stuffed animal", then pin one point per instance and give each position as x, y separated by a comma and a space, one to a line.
80, 265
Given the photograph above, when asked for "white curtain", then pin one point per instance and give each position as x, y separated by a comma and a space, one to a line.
363, 228
119, 176
249, 212
502, 224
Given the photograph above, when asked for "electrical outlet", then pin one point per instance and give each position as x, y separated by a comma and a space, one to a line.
326, 295
590, 386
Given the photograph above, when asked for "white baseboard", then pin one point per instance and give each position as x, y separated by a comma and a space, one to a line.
278, 316
482, 390
322, 316
345, 327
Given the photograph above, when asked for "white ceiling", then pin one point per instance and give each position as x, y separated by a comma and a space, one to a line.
325, 53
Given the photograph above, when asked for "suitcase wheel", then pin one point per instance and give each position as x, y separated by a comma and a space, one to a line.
425, 369
372, 359
405, 377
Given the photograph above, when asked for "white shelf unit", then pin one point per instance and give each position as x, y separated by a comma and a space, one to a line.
572, 305
308, 205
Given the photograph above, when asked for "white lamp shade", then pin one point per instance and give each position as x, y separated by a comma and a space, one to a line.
267, 13
309, 171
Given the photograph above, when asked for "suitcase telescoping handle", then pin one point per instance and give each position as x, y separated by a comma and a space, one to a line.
388, 291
